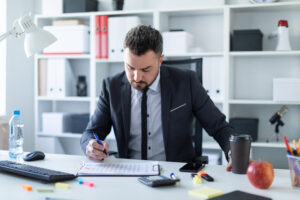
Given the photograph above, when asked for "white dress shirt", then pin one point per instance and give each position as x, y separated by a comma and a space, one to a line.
155, 142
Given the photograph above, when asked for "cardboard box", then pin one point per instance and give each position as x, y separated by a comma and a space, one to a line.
177, 42
56, 123
286, 89
70, 40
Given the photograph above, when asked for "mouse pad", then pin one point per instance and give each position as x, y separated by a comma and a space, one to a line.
238, 195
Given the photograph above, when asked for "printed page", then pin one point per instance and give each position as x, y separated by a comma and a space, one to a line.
120, 169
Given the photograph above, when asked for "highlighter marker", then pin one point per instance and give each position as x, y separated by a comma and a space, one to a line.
205, 176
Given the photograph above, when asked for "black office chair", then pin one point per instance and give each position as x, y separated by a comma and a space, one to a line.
194, 64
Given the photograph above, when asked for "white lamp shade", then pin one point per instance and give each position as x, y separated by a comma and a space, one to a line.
37, 40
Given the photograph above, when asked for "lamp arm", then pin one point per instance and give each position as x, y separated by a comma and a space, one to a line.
5, 35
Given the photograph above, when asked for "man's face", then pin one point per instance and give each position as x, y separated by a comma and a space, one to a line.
142, 70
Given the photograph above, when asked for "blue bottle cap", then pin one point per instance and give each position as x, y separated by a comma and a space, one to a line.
16, 112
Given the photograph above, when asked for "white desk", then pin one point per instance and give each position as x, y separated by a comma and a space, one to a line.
129, 188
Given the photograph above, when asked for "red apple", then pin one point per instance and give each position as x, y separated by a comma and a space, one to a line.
260, 174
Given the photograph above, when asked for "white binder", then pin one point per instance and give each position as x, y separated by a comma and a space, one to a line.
117, 30
213, 77
61, 80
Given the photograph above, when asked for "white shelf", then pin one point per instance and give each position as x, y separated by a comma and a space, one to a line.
262, 102
266, 6
80, 56
84, 99
215, 145
196, 54
109, 61
268, 144
61, 135
263, 53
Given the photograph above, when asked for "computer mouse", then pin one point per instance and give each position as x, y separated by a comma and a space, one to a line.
35, 155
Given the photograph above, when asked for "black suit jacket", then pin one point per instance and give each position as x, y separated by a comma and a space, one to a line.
178, 87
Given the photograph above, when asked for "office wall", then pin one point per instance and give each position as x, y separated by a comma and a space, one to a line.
19, 73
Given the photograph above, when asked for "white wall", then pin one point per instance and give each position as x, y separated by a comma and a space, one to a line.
19, 78
3, 30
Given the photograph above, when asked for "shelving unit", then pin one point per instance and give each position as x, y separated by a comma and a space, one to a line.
211, 27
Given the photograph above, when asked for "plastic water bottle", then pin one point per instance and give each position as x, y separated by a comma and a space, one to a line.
16, 136
283, 43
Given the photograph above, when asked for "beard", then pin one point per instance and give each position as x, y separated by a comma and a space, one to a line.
141, 85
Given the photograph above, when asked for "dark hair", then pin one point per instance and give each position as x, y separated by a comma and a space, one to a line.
142, 38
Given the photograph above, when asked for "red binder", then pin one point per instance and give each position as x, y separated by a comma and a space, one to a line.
103, 37
97, 37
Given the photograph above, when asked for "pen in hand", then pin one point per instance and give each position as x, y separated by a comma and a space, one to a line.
99, 142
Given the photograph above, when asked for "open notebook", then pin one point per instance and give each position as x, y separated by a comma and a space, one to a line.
120, 169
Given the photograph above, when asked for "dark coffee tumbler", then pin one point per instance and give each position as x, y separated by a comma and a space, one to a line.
240, 151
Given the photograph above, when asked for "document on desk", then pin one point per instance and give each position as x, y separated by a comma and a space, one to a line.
120, 169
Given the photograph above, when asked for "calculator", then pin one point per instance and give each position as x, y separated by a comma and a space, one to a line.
157, 181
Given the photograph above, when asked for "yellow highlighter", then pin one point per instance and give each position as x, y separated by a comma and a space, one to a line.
62, 185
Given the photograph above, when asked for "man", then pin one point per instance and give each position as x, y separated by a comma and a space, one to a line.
151, 108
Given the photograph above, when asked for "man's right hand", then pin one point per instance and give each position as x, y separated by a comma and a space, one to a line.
94, 150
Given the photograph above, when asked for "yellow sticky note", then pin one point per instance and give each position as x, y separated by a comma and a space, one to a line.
62, 185
206, 192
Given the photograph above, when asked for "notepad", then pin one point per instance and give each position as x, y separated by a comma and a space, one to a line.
206, 192
120, 169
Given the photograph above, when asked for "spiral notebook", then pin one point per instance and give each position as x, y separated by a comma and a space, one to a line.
120, 169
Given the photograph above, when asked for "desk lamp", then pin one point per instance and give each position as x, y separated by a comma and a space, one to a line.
36, 39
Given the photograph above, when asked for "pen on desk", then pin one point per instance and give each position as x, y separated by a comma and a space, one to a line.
172, 176
99, 142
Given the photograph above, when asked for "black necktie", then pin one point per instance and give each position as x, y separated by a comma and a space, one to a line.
144, 124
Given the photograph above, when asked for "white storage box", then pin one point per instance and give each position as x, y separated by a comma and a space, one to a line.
70, 40
177, 42
56, 123
286, 89
52, 7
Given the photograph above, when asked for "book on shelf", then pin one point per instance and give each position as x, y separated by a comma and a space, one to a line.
97, 37
68, 22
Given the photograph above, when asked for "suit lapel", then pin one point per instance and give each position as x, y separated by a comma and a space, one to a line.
165, 103
126, 109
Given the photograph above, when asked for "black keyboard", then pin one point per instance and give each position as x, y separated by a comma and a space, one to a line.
34, 172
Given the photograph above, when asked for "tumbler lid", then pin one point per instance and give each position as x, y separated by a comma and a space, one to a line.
239, 138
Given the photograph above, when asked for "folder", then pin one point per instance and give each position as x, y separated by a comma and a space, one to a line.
218, 79
97, 37
60, 78
42, 77
117, 30
103, 37
213, 77
207, 72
